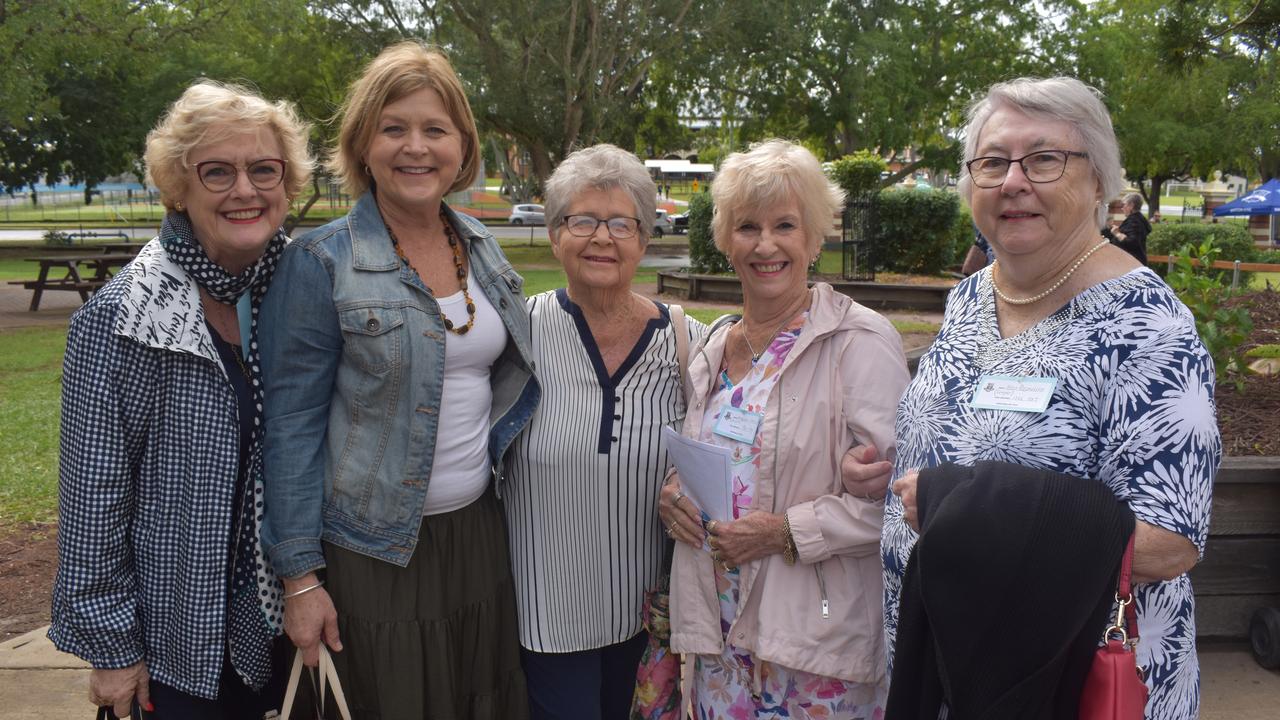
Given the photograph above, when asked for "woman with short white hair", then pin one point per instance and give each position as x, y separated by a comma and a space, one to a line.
778, 601
582, 480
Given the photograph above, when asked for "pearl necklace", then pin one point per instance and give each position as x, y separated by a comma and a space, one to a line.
1046, 293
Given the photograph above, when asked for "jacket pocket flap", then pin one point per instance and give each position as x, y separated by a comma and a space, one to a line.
371, 320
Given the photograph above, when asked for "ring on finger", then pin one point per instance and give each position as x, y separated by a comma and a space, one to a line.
711, 526
671, 531
679, 496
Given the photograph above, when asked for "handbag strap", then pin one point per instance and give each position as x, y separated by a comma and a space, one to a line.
1126, 620
681, 326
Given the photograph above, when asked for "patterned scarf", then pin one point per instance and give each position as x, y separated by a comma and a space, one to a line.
255, 609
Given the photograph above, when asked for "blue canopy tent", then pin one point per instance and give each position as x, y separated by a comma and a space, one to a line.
1262, 200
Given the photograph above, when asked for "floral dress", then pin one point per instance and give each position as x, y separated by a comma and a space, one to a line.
1132, 408
734, 684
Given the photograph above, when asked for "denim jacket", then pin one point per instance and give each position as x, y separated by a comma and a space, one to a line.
353, 363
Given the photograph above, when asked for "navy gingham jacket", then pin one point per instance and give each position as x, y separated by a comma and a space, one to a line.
147, 475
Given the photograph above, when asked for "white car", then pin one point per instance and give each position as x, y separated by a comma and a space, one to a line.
527, 215
662, 224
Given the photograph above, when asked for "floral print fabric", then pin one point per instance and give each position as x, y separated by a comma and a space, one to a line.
1133, 408
735, 685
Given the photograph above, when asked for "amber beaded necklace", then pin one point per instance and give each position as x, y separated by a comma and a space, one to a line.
456, 246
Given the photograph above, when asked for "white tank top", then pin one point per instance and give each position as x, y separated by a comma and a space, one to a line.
460, 472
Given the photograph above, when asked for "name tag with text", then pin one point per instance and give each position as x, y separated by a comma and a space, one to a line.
1020, 394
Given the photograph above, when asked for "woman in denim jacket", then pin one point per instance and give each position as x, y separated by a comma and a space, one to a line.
397, 375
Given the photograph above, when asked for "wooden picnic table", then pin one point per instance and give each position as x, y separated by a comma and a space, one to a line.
98, 268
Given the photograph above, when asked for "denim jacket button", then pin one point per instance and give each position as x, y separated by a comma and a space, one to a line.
372, 325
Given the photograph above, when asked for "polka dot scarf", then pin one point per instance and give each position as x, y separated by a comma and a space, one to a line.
255, 608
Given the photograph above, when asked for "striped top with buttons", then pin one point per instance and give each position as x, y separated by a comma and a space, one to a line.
583, 479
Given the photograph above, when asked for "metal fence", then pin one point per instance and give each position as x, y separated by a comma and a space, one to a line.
856, 223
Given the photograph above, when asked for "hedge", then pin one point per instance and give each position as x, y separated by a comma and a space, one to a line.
1233, 239
916, 231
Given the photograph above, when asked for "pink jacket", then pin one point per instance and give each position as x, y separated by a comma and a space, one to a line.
839, 387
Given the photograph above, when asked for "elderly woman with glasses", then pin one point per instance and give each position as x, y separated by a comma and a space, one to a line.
1064, 355
162, 584
583, 479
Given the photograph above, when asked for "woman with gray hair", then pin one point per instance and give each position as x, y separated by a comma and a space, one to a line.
582, 480
1064, 355
1130, 234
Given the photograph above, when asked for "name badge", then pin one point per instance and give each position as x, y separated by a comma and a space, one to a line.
1020, 394
738, 424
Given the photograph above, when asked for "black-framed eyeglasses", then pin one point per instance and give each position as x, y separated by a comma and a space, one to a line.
620, 228
1041, 166
220, 176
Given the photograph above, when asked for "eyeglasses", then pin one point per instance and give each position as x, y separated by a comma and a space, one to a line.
219, 176
1041, 166
620, 228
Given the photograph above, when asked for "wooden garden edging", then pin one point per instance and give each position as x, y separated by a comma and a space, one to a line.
1240, 571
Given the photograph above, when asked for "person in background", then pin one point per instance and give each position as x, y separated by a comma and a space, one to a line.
398, 372
980, 254
162, 584
778, 604
1130, 235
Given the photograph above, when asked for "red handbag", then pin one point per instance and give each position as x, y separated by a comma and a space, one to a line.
1114, 689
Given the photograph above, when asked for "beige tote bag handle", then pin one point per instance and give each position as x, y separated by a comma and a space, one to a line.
328, 677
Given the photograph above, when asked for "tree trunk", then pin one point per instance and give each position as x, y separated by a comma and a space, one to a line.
1153, 199
292, 221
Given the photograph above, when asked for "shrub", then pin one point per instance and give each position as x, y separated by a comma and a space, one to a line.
915, 232
962, 235
56, 237
1231, 240
858, 173
704, 256
1222, 330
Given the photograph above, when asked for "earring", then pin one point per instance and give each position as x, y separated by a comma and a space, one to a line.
179, 206
367, 171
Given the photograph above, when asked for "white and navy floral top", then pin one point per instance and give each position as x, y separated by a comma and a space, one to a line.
1133, 408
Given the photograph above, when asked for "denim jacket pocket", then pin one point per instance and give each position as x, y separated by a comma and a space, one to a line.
373, 337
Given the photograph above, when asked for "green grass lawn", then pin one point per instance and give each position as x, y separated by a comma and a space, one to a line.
30, 383
14, 268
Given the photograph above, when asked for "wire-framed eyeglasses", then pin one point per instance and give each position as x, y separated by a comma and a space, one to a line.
620, 228
1041, 166
220, 176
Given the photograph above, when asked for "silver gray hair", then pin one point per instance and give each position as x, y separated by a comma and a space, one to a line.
602, 167
1064, 99
1133, 200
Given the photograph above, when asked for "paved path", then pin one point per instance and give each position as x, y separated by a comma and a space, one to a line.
38, 682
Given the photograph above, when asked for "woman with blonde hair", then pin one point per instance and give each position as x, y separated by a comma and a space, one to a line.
779, 603
398, 374
162, 584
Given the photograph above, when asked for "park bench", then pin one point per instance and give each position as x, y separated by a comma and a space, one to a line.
101, 266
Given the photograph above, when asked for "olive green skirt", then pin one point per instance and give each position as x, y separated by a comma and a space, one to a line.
438, 639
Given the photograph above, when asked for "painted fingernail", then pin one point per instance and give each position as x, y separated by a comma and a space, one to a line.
150, 707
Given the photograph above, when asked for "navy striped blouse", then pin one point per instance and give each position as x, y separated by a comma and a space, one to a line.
583, 479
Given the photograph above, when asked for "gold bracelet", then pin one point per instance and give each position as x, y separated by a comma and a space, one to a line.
789, 552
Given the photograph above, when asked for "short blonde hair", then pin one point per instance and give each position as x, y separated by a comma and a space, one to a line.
771, 172
399, 71
209, 112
